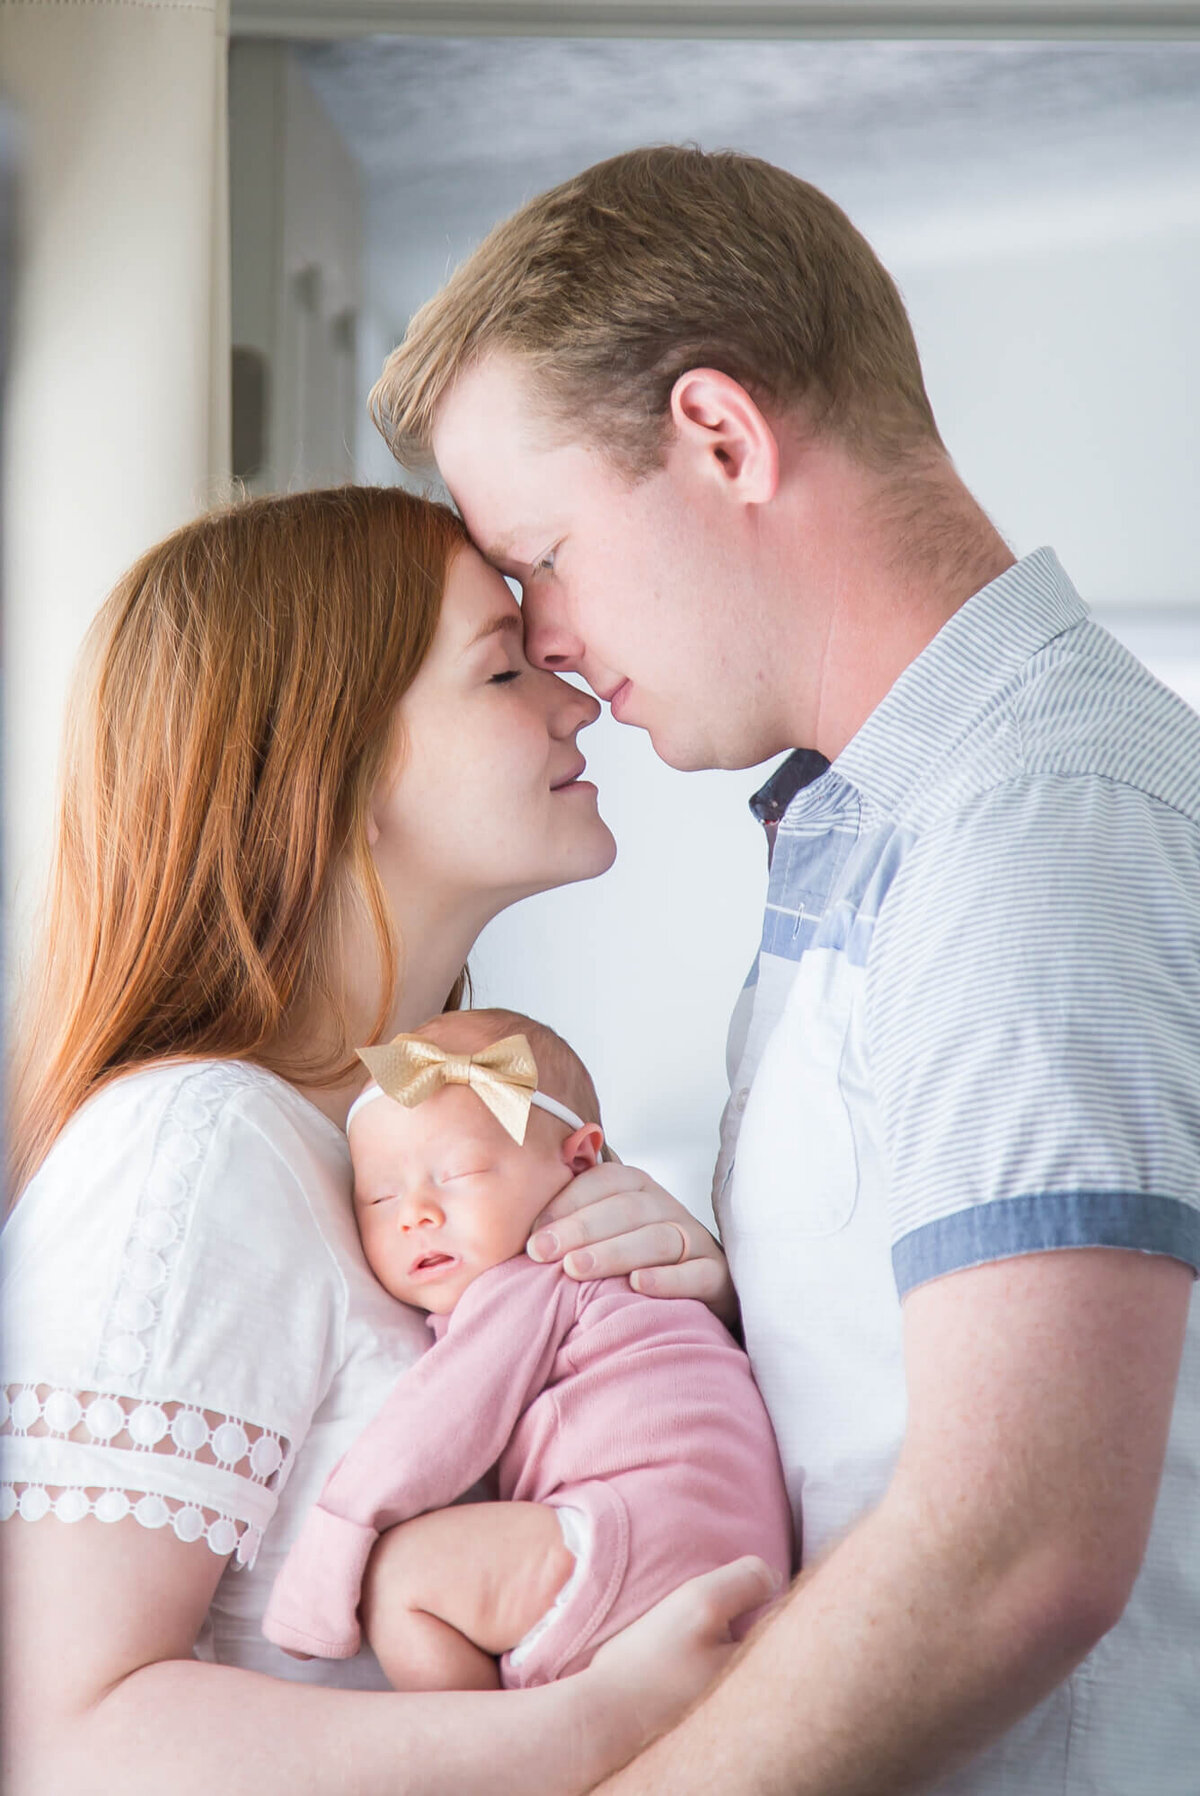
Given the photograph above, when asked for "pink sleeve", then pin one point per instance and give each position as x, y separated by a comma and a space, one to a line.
444, 1424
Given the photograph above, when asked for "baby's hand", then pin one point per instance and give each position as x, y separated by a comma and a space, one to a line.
614, 1219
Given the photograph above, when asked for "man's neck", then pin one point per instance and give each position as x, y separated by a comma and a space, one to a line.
895, 564
870, 647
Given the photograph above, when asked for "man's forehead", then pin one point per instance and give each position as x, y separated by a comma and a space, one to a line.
487, 405
499, 454
510, 545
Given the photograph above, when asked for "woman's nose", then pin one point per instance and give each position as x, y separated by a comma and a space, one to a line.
573, 709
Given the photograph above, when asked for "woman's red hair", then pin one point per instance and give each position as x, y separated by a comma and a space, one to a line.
233, 712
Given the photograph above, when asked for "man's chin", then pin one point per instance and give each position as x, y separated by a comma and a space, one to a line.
682, 756
699, 757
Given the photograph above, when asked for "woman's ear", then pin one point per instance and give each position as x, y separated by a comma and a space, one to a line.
582, 1149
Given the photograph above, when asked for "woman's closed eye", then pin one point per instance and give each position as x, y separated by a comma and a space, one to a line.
503, 679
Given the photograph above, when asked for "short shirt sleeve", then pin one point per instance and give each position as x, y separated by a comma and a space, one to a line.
172, 1310
1033, 990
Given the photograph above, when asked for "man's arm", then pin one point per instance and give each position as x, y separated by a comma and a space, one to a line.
1040, 1394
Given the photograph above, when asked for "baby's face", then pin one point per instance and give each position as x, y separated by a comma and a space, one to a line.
442, 1192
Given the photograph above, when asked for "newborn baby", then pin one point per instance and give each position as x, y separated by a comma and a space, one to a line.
630, 1445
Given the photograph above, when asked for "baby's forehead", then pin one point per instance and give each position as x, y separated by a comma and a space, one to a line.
452, 1116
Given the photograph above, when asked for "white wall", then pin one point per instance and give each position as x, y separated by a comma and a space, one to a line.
1066, 380
296, 217
116, 426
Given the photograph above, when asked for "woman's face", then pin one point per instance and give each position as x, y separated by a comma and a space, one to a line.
484, 803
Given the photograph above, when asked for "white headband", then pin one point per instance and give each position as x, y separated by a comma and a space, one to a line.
372, 1091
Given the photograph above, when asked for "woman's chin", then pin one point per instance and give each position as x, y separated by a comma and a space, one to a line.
602, 852
584, 859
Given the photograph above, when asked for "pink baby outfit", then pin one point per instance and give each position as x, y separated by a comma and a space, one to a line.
640, 1412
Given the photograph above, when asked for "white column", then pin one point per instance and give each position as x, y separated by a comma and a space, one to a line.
117, 413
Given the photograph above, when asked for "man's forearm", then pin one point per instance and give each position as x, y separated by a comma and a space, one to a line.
900, 1656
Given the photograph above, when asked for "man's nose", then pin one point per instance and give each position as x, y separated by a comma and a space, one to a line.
549, 644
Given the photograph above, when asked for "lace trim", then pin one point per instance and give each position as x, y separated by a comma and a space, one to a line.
156, 1236
223, 1533
180, 1430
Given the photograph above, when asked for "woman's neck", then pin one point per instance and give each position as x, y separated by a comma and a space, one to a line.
434, 950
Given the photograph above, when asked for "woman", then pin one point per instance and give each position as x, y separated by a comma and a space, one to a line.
308, 762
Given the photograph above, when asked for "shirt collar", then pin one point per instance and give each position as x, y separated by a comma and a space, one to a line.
973, 657
800, 769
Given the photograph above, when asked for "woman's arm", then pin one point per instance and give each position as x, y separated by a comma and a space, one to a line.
103, 1694
615, 1219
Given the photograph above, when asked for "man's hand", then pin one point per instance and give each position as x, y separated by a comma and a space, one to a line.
614, 1219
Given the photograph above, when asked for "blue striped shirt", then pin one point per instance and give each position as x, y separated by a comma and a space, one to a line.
971, 1032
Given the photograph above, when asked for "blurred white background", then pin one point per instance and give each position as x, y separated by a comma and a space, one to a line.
1038, 202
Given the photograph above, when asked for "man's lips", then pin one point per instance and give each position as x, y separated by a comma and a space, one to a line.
616, 698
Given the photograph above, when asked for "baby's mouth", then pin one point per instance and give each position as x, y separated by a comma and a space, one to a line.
432, 1263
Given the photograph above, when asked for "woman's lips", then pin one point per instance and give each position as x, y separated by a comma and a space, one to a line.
572, 780
617, 701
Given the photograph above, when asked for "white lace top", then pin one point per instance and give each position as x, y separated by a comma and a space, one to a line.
193, 1337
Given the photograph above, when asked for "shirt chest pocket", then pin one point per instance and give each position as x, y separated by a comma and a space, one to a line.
797, 1172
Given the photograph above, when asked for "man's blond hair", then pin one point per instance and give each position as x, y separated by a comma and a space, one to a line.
609, 287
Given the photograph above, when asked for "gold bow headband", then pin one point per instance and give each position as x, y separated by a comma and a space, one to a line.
410, 1069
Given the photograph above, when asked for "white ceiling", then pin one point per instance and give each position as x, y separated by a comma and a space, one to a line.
1055, 19
909, 136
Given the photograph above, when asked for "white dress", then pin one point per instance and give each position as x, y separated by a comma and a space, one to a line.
192, 1335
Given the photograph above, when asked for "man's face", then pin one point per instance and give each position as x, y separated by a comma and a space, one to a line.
646, 588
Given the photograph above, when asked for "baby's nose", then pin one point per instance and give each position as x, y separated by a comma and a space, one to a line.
420, 1213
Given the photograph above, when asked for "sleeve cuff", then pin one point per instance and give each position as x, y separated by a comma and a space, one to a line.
314, 1602
1041, 1221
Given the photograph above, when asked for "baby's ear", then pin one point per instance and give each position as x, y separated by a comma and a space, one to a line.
582, 1149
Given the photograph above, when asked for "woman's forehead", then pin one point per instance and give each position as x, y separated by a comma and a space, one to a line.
477, 602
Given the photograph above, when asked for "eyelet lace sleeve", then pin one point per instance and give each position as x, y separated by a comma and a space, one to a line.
77, 1453
173, 1314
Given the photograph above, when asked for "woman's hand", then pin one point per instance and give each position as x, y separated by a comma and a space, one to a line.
645, 1678
614, 1219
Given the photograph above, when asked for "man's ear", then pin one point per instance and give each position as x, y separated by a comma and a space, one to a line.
715, 415
582, 1149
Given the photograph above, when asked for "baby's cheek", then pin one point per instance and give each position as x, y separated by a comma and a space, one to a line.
382, 1256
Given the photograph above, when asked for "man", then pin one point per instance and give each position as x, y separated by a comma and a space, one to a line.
679, 400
